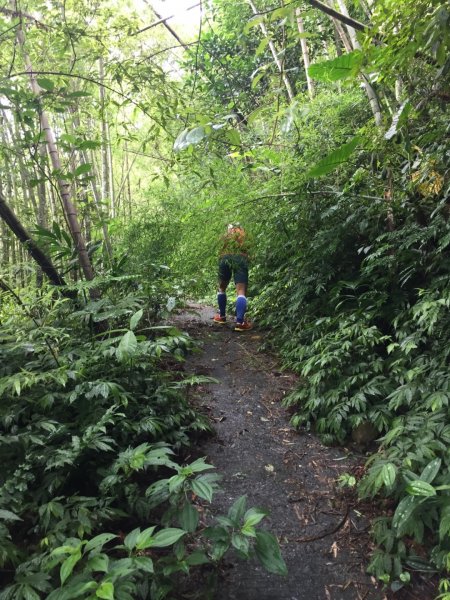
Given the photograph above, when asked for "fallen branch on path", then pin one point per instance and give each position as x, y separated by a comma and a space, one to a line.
313, 538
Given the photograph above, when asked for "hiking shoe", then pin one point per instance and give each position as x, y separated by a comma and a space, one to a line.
219, 319
243, 326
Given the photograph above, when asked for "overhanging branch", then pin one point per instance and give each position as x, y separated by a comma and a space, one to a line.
337, 15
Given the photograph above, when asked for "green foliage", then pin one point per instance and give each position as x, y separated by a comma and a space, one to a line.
81, 440
342, 67
335, 159
350, 272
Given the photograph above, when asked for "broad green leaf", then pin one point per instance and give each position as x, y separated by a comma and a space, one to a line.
8, 91
262, 46
281, 13
256, 79
444, 525
255, 114
144, 563
131, 539
167, 537
202, 489
82, 169
76, 591
46, 84
197, 558
268, 553
225, 521
176, 482
219, 549
253, 22
123, 567
68, 138
99, 541
248, 530
240, 542
398, 119
237, 510
403, 512
253, 516
105, 590
28, 593
216, 533
68, 566
233, 136
65, 550
341, 67
419, 563
431, 470
335, 159
388, 474
7, 515
145, 538
420, 488
99, 562
127, 347
89, 145
200, 465
136, 318
188, 517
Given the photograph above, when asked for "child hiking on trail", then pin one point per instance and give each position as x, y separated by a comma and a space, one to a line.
233, 261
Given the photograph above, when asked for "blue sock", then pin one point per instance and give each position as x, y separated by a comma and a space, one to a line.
222, 302
241, 307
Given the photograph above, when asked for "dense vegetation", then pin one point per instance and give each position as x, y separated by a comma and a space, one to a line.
339, 173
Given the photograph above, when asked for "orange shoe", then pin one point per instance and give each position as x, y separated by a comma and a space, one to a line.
243, 326
219, 319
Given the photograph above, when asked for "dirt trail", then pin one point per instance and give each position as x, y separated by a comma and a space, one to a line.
323, 538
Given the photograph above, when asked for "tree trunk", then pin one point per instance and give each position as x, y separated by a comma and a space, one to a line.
343, 35
99, 211
278, 62
36, 253
4, 256
367, 11
63, 185
42, 204
128, 181
104, 152
305, 53
370, 92
112, 193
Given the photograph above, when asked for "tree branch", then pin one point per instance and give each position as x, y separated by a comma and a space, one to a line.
94, 81
337, 15
161, 20
22, 234
21, 15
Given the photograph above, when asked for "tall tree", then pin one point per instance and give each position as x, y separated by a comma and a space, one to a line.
305, 52
63, 185
275, 56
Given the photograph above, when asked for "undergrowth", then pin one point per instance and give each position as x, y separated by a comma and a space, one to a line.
366, 325
96, 497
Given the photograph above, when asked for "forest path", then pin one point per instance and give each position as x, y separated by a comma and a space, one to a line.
323, 538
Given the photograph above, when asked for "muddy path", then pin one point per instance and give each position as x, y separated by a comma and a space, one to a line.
322, 533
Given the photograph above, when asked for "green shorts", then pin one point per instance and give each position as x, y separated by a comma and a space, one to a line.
233, 264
